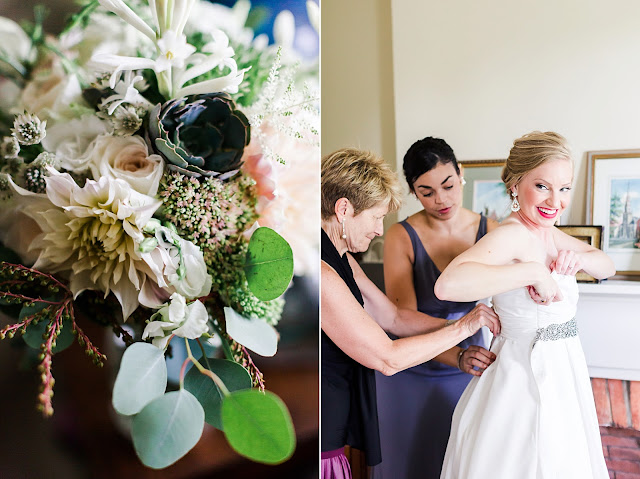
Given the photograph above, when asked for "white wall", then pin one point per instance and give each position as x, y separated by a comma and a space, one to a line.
357, 77
480, 74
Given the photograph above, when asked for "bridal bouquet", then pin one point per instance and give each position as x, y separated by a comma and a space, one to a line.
148, 155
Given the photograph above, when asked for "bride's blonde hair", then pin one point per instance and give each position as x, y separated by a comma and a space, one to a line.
530, 151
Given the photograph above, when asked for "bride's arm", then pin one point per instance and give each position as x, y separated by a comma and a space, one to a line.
495, 264
587, 258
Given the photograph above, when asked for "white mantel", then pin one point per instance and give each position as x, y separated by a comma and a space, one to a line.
609, 327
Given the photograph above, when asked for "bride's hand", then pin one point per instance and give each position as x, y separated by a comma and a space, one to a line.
568, 262
478, 357
545, 291
481, 315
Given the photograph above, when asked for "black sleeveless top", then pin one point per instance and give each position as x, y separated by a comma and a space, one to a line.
349, 413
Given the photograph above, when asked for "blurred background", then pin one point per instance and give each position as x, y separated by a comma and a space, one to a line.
83, 439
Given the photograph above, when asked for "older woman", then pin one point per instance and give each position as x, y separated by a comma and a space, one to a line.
358, 190
531, 414
416, 405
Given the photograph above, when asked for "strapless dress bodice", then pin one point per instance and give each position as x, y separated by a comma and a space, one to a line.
522, 318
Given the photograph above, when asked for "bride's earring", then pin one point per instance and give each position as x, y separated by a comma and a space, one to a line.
463, 181
515, 205
344, 232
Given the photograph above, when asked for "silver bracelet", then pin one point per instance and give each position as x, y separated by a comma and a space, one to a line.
449, 322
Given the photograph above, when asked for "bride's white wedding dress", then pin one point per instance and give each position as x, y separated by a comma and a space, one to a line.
531, 414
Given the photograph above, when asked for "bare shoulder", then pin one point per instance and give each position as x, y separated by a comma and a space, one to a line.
509, 241
331, 280
512, 229
397, 236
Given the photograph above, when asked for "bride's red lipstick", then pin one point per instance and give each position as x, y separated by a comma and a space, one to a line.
546, 215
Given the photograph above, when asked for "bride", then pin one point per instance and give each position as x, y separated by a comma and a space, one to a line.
531, 414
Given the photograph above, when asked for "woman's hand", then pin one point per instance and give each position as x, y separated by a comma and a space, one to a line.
476, 357
546, 290
481, 315
568, 262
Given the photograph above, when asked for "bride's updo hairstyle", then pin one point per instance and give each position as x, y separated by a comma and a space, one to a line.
361, 177
530, 151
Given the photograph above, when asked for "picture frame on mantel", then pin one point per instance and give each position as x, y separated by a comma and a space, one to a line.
613, 193
592, 235
484, 191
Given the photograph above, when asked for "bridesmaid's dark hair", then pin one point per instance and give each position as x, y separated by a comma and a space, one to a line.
424, 155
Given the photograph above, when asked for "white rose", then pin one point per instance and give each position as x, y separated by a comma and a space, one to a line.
177, 260
196, 281
70, 140
195, 322
51, 92
126, 158
187, 321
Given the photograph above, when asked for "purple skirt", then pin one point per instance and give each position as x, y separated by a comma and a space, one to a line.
334, 465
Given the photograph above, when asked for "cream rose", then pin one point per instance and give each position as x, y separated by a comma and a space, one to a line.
51, 92
128, 159
69, 141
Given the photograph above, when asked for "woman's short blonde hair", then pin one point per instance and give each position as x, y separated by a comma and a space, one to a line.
361, 177
530, 151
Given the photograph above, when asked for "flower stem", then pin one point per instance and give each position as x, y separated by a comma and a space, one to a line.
214, 377
204, 355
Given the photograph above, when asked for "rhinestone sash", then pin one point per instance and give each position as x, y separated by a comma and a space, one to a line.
554, 332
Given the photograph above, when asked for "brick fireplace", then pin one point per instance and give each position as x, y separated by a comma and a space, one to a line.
618, 407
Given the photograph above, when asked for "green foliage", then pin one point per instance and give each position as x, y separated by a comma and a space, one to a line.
167, 428
141, 379
235, 378
258, 426
253, 333
39, 326
269, 264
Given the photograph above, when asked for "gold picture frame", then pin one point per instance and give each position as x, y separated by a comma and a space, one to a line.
592, 235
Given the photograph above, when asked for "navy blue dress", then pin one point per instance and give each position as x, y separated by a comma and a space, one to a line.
415, 406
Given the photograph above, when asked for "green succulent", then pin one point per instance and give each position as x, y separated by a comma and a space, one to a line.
200, 134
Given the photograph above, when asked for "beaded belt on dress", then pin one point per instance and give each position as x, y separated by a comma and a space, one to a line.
554, 332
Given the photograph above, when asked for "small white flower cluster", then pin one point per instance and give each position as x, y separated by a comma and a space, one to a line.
177, 318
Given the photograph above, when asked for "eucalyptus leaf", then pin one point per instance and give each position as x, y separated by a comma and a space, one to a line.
141, 379
234, 377
167, 428
253, 333
34, 334
258, 426
269, 264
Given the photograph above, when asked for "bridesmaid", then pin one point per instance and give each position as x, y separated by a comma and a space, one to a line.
415, 406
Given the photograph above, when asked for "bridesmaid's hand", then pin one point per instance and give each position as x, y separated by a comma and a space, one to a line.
481, 315
568, 262
476, 357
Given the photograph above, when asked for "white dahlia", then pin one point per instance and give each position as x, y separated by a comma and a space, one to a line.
92, 234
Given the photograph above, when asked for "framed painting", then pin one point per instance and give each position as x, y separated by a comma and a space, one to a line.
613, 192
589, 234
484, 191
